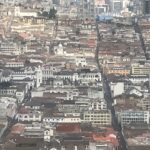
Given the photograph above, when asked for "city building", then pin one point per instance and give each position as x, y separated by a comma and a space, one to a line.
86, 9
117, 88
117, 6
21, 12
99, 118
101, 7
140, 68
146, 103
25, 115
134, 117
146, 6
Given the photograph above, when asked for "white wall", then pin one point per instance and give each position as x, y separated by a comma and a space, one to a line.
117, 88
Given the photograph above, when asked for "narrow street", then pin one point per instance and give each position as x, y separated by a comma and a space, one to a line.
13, 121
138, 30
108, 98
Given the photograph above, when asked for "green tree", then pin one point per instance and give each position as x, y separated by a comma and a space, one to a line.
52, 13
45, 14
77, 31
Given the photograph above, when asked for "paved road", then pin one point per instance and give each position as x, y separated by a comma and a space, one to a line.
138, 30
109, 99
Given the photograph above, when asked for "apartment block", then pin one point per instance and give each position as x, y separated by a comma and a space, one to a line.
138, 68
134, 117
101, 118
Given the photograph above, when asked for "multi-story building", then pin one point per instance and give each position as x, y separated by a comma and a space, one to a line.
138, 78
14, 64
28, 116
101, 118
134, 117
10, 48
101, 7
62, 119
117, 5
136, 6
86, 9
118, 70
138, 68
65, 3
21, 12
99, 105
146, 6
146, 103
117, 88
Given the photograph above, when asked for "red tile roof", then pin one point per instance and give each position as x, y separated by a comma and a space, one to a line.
68, 127
104, 137
18, 128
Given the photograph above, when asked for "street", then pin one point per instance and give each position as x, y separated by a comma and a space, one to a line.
108, 98
138, 30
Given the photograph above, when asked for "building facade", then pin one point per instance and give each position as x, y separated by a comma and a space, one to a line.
138, 68
117, 5
146, 6
101, 118
86, 9
134, 117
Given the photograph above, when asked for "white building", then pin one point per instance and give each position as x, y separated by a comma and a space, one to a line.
117, 5
101, 7
48, 70
138, 78
134, 91
89, 76
58, 83
10, 48
140, 69
64, 119
34, 74
101, 118
14, 64
59, 50
98, 105
17, 90
48, 133
117, 88
81, 61
35, 116
12, 2
8, 106
38, 76
134, 116
20, 12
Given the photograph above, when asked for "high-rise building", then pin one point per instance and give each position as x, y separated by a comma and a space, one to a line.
136, 6
86, 9
146, 6
117, 5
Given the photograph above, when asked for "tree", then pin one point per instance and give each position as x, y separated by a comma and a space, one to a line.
45, 14
52, 13
77, 31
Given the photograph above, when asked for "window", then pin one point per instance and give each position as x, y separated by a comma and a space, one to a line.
25, 116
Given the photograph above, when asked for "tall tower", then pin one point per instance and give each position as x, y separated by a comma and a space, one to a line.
86, 9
